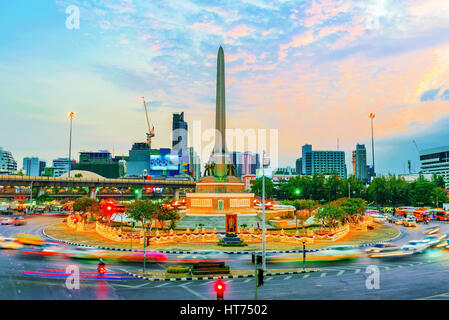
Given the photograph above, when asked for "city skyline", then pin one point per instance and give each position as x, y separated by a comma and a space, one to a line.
126, 49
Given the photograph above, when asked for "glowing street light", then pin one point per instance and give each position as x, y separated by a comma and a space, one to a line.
70, 114
372, 116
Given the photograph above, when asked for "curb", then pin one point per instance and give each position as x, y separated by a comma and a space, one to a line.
199, 252
220, 277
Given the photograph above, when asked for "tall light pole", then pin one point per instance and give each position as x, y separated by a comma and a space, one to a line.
70, 114
372, 116
263, 211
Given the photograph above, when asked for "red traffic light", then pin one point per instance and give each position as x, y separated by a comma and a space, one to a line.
219, 288
109, 208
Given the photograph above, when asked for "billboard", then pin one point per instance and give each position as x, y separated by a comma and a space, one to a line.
164, 162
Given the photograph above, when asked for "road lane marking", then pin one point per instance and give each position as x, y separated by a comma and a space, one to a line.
357, 271
131, 287
184, 286
340, 273
268, 279
248, 280
434, 296
162, 285
288, 277
323, 275
306, 276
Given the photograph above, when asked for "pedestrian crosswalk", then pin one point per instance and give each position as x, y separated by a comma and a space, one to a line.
325, 272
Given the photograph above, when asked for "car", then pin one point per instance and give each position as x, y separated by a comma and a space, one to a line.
399, 221
9, 243
7, 220
393, 253
202, 255
433, 241
29, 239
381, 247
415, 246
431, 230
150, 256
410, 222
18, 221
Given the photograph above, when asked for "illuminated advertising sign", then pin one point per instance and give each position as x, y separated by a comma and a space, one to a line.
165, 162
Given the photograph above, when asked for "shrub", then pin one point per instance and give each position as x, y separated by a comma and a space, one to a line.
178, 269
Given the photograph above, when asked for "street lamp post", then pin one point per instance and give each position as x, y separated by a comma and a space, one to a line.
372, 116
263, 212
31, 198
349, 189
70, 114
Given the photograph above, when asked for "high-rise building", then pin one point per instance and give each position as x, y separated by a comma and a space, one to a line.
7, 162
61, 166
245, 162
194, 164
361, 171
139, 160
326, 162
99, 162
179, 134
299, 166
33, 166
436, 161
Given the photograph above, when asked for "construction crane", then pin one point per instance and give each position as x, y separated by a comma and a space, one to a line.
150, 133
416, 145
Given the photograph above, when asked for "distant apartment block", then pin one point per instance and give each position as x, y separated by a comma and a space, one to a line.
436, 161
326, 162
33, 167
7, 162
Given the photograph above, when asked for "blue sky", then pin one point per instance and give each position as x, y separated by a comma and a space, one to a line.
313, 70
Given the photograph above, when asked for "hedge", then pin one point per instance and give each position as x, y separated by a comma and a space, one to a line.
178, 269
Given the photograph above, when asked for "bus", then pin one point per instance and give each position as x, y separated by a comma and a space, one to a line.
420, 214
439, 214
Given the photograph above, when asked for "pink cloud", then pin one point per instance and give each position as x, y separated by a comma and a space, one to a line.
299, 40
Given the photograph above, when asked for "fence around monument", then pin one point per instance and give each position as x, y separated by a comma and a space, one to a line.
158, 237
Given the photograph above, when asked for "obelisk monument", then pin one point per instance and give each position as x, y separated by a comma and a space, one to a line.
220, 156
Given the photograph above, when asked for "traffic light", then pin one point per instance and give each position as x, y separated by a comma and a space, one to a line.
297, 191
259, 277
256, 258
75, 220
109, 208
219, 288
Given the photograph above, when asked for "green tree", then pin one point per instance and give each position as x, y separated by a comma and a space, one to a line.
256, 188
300, 205
331, 213
438, 180
353, 208
421, 191
438, 196
43, 198
164, 212
85, 205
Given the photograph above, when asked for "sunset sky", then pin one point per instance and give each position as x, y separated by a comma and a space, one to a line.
313, 70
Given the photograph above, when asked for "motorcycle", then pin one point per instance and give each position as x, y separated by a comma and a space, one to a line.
101, 269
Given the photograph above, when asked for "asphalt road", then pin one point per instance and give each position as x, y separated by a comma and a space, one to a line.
418, 276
